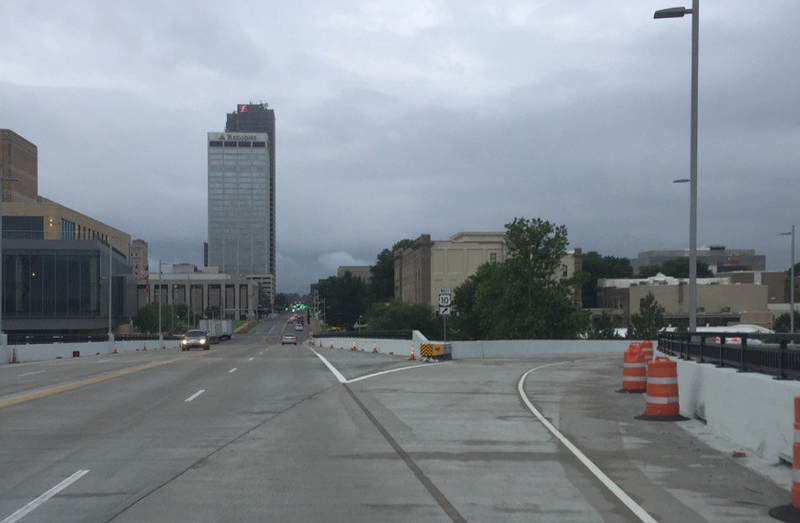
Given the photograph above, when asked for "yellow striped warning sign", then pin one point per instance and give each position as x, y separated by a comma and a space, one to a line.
431, 349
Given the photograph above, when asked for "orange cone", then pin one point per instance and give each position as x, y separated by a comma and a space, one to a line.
374, 347
354, 346
331, 343
115, 350
412, 353
144, 346
14, 356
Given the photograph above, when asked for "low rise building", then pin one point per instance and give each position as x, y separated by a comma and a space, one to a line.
234, 295
717, 257
719, 301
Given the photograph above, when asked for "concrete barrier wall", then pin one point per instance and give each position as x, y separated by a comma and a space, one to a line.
484, 349
51, 351
523, 348
754, 410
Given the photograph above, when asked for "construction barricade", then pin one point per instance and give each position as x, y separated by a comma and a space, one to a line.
662, 391
791, 512
647, 349
435, 351
634, 370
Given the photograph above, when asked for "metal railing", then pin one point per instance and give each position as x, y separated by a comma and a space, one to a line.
774, 354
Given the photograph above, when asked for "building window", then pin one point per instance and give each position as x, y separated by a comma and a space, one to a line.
259, 144
492, 257
564, 271
23, 227
67, 229
215, 143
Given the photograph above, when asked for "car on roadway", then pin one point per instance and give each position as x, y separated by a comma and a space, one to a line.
298, 326
195, 339
289, 338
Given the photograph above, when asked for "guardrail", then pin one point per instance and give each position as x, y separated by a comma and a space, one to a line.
385, 335
774, 354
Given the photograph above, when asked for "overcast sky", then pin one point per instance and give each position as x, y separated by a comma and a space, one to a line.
407, 117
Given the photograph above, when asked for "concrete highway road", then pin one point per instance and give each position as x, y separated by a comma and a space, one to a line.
255, 431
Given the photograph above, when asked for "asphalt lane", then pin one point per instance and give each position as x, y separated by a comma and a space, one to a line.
257, 431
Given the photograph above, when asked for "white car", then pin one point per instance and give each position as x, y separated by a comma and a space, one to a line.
289, 338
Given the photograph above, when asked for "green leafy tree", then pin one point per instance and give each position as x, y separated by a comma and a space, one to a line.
521, 297
782, 323
345, 299
381, 275
212, 312
648, 271
182, 312
646, 324
596, 266
679, 268
146, 319
602, 328
281, 301
396, 315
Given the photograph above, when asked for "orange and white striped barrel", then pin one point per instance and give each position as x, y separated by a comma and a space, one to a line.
647, 348
634, 369
662, 388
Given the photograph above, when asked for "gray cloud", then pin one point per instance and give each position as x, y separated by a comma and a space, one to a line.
401, 118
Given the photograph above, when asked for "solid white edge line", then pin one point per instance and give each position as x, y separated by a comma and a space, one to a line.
232, 370
31, 373
426, 365
342, 379
193, 396
24, 511
272, 329
334, 370
634, 507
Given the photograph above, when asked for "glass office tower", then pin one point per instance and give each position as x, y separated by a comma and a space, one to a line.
239, 207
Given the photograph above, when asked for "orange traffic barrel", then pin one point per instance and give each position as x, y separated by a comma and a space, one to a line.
634, 370
791, 512
662, 391
647, 348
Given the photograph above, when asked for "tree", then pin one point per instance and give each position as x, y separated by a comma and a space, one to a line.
381, 275
648, 271
782, 323
597, 266
281, 301
679, 268
521, 297
212, 312
646, 324
345, 299
396, 315
602, 328
146, 319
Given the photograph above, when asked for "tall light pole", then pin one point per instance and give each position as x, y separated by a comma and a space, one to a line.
791, 283
678, 12
110, 280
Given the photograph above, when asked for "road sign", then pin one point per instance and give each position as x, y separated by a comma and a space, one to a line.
445, 301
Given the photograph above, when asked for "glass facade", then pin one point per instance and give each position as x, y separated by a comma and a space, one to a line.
23, 227
42, 283
239, 203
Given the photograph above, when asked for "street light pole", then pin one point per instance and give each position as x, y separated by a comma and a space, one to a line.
677, 12
791, 283
110, 280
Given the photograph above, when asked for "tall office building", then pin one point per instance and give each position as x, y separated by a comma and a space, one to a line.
241, 196
258, 118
